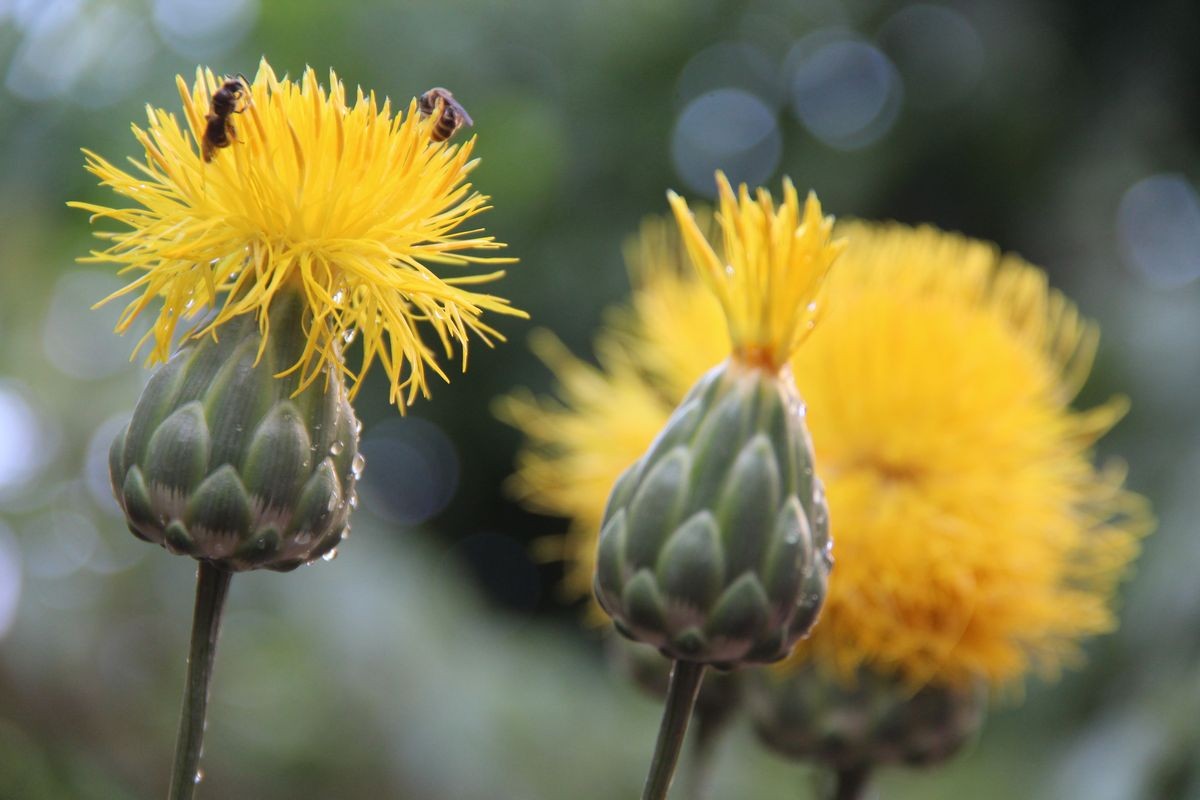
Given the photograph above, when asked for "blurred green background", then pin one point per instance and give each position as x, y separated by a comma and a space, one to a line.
433, 659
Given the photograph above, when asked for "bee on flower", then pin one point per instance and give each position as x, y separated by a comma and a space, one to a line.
339, 199
261, 251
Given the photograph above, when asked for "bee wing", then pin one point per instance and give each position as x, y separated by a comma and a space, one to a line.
464, 117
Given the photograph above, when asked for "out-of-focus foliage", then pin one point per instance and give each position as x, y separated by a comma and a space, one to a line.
431, 659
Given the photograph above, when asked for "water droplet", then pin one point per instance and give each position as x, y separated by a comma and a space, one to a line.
358, 464
337, 447
348, 336
345, 533
330, 556
304, 537
199, 776
358, 426
353, 501
812, 307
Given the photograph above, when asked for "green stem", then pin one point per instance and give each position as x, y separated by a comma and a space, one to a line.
681, 697
851, 783
212, 585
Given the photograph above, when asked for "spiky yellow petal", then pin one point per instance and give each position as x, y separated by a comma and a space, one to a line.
579, 442
343, 201
774, 262
975, 537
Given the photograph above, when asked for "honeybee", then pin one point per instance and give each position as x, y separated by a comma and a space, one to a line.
219, 131
451, 117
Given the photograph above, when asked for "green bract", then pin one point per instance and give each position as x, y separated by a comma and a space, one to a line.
874, 721
221, 462
715, 545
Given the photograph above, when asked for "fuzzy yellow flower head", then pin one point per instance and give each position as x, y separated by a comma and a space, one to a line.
774, 262
345, 202
976, 540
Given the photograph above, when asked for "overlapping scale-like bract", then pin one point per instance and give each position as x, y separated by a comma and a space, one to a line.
715, 545
870, 721
225, 462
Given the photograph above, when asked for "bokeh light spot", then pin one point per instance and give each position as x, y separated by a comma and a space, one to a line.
58, 543
729, 65
94, 51
203, 28
938, 52
95, 465
411, 472
24, 447
730, 130
844, 91
79, 341
1158, 226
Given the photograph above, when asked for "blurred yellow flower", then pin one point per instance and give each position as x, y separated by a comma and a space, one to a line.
346, 203
975, 539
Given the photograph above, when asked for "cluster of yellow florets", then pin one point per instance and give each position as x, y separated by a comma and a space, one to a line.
975, 539
342, 200
772, 264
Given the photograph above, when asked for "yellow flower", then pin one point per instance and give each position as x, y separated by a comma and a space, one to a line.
975, 539
772, 266
346, 203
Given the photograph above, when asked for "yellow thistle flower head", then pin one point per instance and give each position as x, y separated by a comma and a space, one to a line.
976, 539
774, 262
344, 202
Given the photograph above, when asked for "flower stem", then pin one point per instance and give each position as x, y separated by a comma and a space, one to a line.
851, 783
212, 585
681, 697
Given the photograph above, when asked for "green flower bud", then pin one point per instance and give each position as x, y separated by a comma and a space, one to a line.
715, 545
875, 721
225, 462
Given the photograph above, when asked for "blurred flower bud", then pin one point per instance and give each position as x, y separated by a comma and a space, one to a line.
876, 720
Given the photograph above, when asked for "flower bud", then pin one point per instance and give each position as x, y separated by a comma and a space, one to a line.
874, 721
226, 462
715, 545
